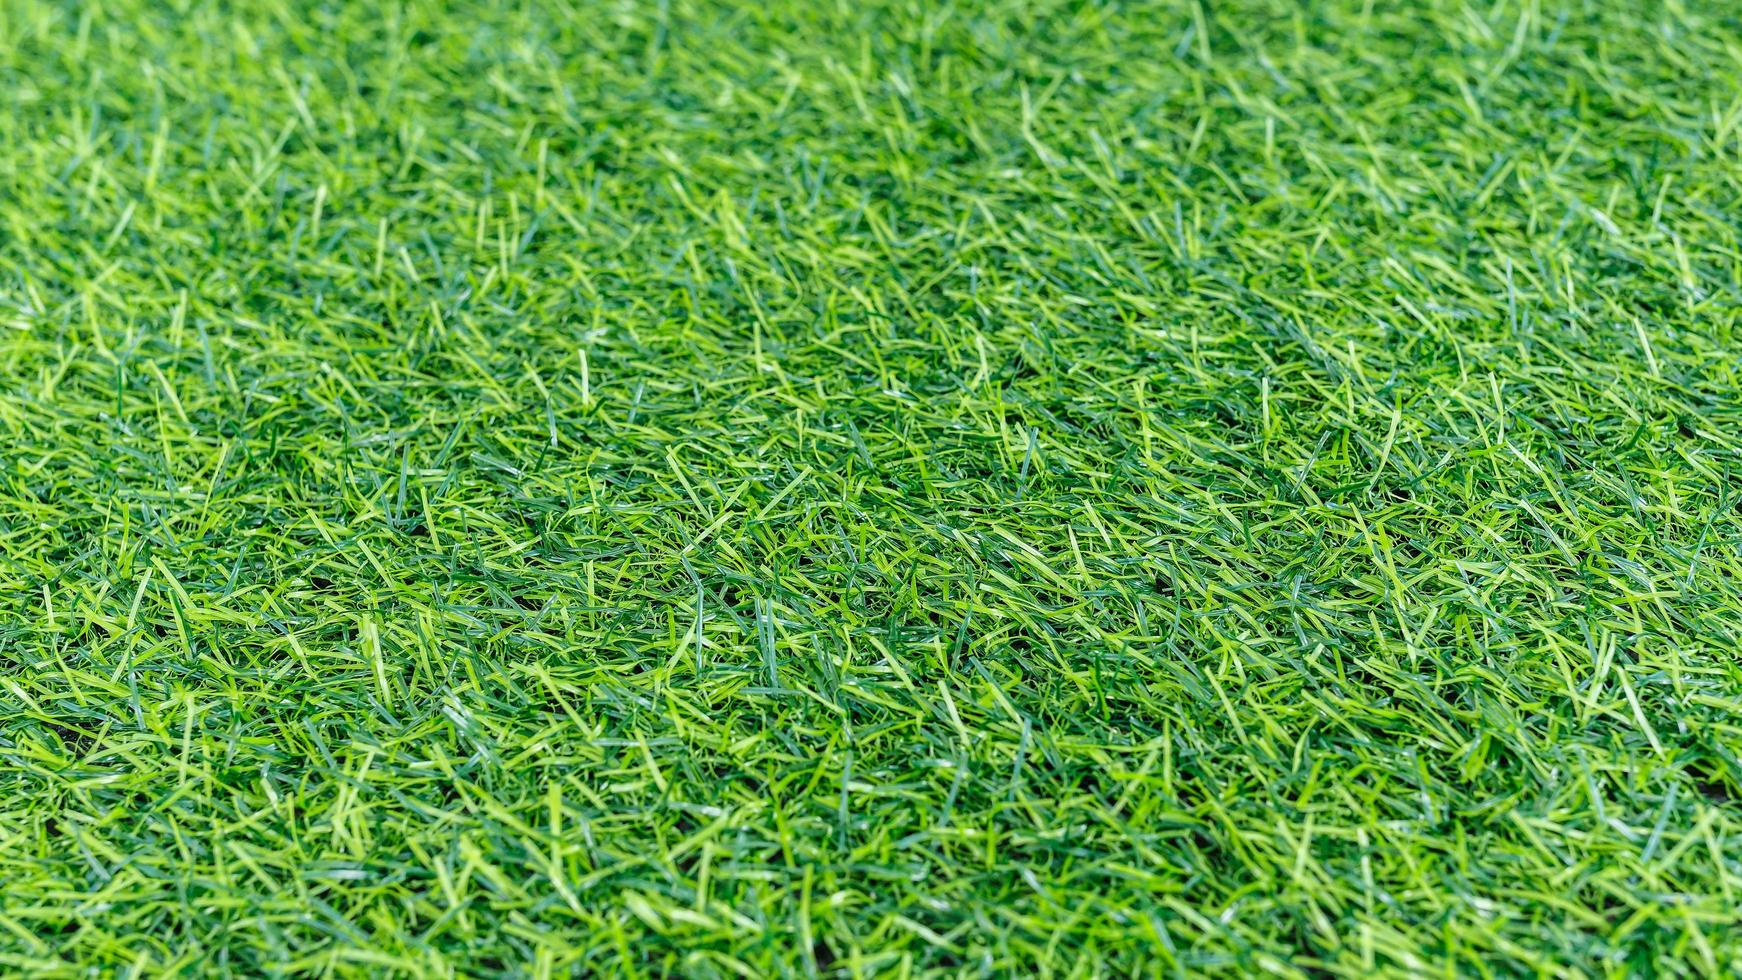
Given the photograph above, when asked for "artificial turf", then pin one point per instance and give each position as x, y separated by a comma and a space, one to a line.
862, 488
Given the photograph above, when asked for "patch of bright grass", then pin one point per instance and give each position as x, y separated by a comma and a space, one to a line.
870, 487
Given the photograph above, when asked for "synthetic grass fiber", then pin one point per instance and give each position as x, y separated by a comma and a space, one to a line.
872, 487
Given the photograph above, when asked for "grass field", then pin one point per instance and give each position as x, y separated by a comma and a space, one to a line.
870, 488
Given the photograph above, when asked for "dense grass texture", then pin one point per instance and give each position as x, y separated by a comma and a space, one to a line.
870, 487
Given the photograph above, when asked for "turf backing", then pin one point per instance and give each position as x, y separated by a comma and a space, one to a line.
870, 487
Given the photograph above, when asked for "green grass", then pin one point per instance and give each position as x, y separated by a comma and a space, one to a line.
861, 488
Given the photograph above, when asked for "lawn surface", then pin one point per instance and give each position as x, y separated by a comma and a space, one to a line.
863, 488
